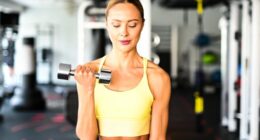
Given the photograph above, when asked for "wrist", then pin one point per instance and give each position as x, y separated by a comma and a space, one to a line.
85, 89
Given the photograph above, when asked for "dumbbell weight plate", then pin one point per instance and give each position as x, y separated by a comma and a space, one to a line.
64, 71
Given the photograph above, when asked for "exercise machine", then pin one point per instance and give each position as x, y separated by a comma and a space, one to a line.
27, 96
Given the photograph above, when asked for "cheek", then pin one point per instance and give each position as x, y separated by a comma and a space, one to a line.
112, 34
113, 37
137, 33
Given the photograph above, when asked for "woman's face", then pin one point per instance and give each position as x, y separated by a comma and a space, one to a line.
124, 25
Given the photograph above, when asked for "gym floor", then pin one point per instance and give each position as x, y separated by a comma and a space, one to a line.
52, 124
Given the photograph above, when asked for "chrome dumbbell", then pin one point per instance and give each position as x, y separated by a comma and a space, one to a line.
65, 71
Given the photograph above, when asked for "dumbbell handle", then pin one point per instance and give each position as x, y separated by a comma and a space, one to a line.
72, 73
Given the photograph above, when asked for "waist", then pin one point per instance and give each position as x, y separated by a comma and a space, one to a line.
143, 137
117, 127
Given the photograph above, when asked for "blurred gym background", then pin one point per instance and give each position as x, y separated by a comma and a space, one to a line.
209, 48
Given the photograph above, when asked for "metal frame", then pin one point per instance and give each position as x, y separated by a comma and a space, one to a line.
224, 29
255, 75
83, 24
174, 51
245, 71
233, 65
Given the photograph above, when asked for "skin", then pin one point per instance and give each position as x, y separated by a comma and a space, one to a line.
123, 23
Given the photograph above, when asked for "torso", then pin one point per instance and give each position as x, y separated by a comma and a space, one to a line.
133, 77
119, 82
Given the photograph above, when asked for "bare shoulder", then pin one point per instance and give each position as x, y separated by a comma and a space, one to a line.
155, 72
159, 80
94, 64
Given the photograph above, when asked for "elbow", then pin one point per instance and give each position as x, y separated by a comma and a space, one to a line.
78, 133
158, 138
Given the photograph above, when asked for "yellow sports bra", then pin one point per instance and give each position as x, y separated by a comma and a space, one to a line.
126, 113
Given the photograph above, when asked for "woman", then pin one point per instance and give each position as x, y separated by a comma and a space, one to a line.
134, 106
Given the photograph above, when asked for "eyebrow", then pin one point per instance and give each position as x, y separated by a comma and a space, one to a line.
127, 21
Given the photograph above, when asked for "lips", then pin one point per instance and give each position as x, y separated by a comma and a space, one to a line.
125, 42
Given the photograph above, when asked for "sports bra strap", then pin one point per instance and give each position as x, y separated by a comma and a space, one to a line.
145, 65
102, 61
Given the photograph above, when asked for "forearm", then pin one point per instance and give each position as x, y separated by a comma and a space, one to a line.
86, 128
159, 135
159, 138
159, 124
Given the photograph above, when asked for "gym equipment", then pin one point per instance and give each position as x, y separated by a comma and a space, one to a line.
216, 76
100, 41
1, 102
202, 40
91, 10
233, 60
254, 75
244, 71
209, 58
27, 96
155, 42
8, 57
65, 71
9, 19
71, 107
3, 95
224, 29
185, 4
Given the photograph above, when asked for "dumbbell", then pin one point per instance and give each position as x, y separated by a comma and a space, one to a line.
65, 71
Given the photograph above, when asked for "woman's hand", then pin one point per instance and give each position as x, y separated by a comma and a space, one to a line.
85, 77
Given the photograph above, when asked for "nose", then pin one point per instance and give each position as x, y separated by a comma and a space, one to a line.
124, 31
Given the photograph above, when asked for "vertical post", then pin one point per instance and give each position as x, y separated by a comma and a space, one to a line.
245, 71
255, 83
144, 46
174, 51
224, 26
233, 65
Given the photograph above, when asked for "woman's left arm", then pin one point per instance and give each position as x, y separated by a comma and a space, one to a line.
161, 88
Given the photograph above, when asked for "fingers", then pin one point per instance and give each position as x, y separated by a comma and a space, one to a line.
84, 71
85, 79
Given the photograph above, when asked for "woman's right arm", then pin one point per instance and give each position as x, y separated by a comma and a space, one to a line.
86, 128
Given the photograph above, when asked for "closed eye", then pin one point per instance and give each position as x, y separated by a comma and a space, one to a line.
116, 26
132, 25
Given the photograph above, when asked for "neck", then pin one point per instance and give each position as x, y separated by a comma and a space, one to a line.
124, 60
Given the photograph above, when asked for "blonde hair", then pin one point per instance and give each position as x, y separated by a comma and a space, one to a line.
136, 3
